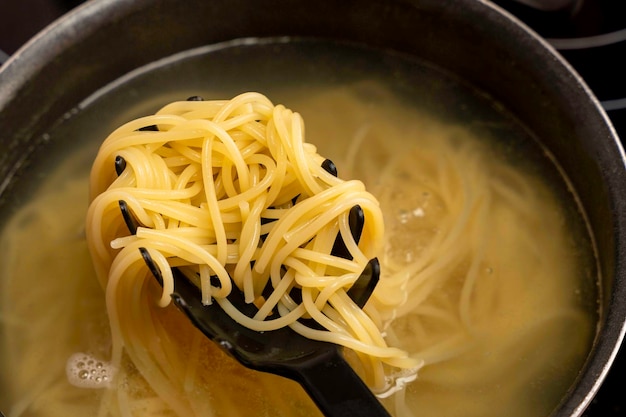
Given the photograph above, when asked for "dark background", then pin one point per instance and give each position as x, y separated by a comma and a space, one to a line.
22, 19
583, 24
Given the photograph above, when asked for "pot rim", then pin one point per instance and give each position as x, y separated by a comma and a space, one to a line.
37, 53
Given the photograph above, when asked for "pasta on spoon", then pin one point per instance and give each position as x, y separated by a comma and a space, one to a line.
229, 192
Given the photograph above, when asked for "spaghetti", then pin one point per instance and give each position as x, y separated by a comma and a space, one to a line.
230, 193
484, 276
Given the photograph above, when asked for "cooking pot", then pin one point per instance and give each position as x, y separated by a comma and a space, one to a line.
104, 39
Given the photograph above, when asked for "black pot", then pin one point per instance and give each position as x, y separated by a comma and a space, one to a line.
473, 39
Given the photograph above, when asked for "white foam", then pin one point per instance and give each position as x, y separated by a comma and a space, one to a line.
85, 371
399, 380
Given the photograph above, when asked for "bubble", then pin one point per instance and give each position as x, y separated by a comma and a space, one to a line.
404, 216
84, 371
419, 212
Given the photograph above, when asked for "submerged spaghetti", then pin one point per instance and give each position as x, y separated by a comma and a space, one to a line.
230, 193
483, 278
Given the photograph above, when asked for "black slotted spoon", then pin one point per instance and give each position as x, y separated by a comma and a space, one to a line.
319, 367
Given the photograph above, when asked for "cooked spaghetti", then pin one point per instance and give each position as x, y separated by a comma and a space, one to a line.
483, 278
230, 193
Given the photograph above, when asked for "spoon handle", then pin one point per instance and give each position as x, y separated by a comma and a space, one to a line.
336, 389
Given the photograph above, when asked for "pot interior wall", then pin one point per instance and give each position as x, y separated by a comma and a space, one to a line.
104, 40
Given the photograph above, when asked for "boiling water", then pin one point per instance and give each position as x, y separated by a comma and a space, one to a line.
380, 125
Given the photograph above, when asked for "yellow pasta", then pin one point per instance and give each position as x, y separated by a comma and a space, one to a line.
231, 190
484, 281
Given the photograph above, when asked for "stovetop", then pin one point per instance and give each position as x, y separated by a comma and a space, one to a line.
590, 34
